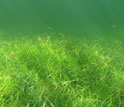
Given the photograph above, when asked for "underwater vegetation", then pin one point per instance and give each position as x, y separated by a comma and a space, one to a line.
58, 72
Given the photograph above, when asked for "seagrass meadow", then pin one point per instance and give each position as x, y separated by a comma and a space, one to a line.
61, 53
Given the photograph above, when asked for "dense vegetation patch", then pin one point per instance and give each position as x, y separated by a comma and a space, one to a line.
58, 73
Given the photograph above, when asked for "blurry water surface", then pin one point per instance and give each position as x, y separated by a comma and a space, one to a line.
75, 16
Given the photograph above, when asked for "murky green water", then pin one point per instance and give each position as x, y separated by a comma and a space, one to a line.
61, 53
72, 16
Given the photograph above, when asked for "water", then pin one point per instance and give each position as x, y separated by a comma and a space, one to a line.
72, 16
61, 53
